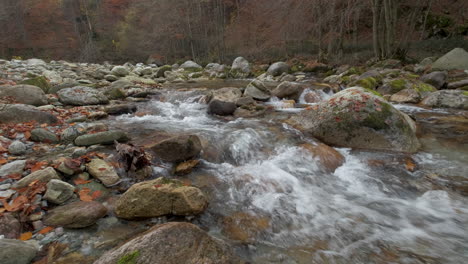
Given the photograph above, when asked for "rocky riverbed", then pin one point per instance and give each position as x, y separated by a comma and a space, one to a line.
244, 163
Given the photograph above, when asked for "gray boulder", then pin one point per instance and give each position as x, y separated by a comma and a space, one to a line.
58, 191
288, 90
103, 171
14, 167
240, 68
24, 94
177, 149
356, 118
406, 96
16, 252
120, 71
82, 95
172, 243
278, 68
457, 59
191, 66
76, 215
438, 79
226, 94
448, 99
107, 137
221, 108
43, 135
257, 90
17, 148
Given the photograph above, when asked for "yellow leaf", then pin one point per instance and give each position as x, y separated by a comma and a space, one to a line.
25, 236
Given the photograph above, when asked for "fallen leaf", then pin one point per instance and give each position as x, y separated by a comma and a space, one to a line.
80, 181
25, 236
2, 149
84, 195
410, 166
27, 135
39, 166
96, 194
46, 230
3, 161
102, 169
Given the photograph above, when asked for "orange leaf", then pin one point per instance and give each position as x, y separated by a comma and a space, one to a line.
410, 166
96, 194
2, 149
84, 195
80, 181
25, 236
27, 135
46, 230
39, 166
2, 210
3, 161
102, 169
44, 125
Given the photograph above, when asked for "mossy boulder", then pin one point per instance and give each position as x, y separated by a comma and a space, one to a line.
457, 99
368, 83
114, 93
358, 119
161, 70
39, 81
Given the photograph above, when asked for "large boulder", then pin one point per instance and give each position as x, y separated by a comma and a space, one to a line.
106, 137
290, 90
191, 66
120, 71
44, 176
43, 135
447, 98
160, 197
357, 118
103, 171
226, 94
16, 252
179, 148
39, 81
76, 215
278, 68
82, 95
221, 108
20, 113
257, 90
457, 59
406, 96
438, 79
240, 68
24, 94
171, 243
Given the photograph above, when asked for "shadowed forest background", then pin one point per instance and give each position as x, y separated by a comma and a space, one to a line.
219, 30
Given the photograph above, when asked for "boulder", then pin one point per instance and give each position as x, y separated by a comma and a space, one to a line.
257, 90
35, 62
438, 79
103, 171
54, 89
161, 70
75, 215
226, 94
457, 59
106, 137
172, 243
120, 109
191, 66
120, 71
44, 175
447, 98
221, 108
329, 158
278, 68
114, 93
70, 134
43, 135
160, 197
10, 227
20, 113
178, 149
16, 252
58, 191
406, 96
288, 90
14, 167
82, 95
356, 118
24, 94
240, 68
17, 148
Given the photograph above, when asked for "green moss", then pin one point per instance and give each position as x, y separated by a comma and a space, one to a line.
170, 181
398, 85
354, 70
345, 79
162, 70
412, 76
295, 68
377, 119
38, 81
465, 93
190, 70
368, 83
374, 92
424, 87
130, 258
115, 93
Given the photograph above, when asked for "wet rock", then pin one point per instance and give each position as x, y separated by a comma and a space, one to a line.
120, 109
103, 171
177, 149
185, 167
240, 68
17, 148
277, 68
288, 90
75, 215
327, 156
456, 59
172, 243
10, 227
359, 119
406, 96
244, 227
16, 252
221, 108
245, 100
191, 66
20, 113
43, 135
447, 98
114, 93
160, 197
14, 167
250, 110
24, 94
82, 95
227, 94
58, 191
312, 97
257, 90
44, 175
120, 71
437, 79
107, 137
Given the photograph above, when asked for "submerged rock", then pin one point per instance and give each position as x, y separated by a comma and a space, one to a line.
329, 158
177, 149
75, 215
16, 252
103, 171
359, 119
107, 137
58, 191
160, 197
172, 243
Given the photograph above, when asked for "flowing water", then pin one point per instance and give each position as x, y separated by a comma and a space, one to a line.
286, 208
